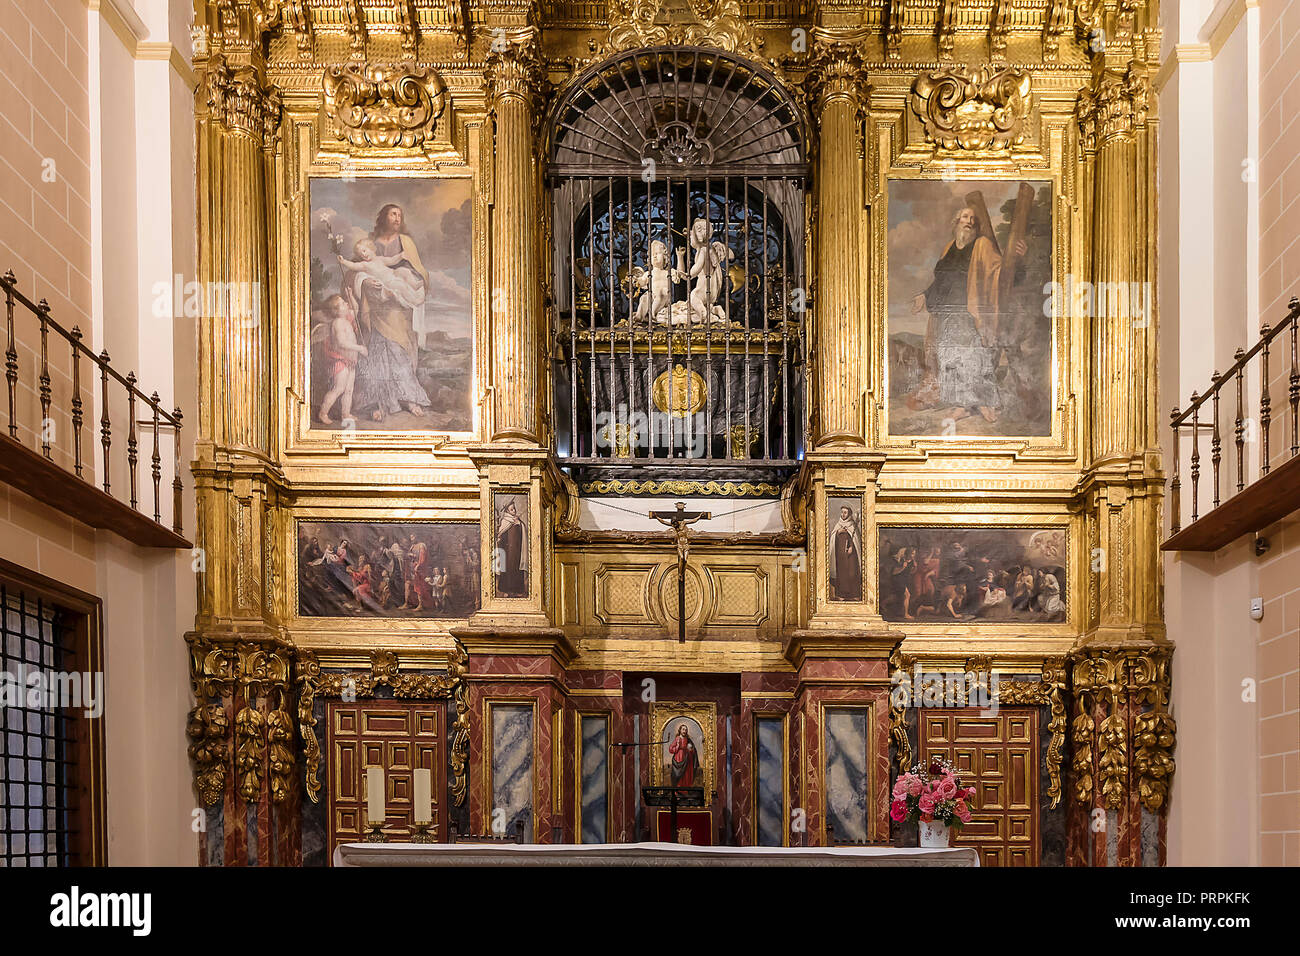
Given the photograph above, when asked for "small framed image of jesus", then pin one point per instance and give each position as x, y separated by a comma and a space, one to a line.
683, 735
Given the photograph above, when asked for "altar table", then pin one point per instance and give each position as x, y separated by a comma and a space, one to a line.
641, 854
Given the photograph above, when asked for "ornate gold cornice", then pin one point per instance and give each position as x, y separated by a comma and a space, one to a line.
384, 672
1115, 108
727, 489
978, 109
240, 102
387, 107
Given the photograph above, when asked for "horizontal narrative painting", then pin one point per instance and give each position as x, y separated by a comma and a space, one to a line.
969, 308
392, 323
973, 574
388, 569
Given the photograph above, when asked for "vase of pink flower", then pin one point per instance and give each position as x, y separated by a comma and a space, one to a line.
933, 797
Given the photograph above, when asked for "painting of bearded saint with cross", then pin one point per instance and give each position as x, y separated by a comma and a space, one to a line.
969, 337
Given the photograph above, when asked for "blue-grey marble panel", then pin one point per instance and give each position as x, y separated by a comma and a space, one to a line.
512, 766
845, 749
771, 782
595, 764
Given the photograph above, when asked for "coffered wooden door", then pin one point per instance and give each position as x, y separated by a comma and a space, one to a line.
997, 754
398, 736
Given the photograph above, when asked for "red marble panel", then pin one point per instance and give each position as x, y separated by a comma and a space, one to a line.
234, 821
594, 680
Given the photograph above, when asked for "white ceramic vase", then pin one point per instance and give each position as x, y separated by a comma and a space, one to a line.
934, 834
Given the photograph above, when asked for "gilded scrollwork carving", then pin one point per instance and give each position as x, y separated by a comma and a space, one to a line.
397, 107
385, 671
900, 693
208, 728
1054, 677
1134, 740
714, 23
980, 109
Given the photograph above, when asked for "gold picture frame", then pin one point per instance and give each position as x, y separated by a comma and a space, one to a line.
663, 719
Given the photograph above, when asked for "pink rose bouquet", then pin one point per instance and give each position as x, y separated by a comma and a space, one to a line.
932, 793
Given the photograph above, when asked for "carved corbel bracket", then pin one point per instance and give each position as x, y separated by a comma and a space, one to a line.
385, 107
384, 671
980, 109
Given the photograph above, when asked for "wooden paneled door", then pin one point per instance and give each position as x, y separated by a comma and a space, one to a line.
397, 735
997, 754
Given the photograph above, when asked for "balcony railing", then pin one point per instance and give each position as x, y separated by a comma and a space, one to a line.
68, 482
1275, 493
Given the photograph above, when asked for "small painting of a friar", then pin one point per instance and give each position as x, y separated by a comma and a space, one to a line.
969, 337
845, 559
510, 555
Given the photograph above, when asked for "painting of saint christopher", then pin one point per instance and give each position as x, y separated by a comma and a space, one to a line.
969, 334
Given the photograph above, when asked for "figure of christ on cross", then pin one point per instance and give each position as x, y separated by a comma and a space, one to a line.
679, 520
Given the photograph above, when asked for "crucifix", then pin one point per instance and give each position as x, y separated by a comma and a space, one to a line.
678, 521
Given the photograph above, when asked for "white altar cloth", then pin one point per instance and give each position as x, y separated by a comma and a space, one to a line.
641, 854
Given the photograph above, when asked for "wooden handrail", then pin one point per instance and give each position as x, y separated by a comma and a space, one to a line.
159, 417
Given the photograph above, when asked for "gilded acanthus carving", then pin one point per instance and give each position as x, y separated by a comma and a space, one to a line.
984, 108
250, 675
384, 107
1115, 107
1129, 684
715, 23
385, 671
1054, 677
836, 69
900, 693
1154, 730
515, 66
240, 102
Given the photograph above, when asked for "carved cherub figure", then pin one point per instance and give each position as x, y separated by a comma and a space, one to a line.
657, 281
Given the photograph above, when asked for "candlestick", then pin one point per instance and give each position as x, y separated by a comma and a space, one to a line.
375, 805
422, 810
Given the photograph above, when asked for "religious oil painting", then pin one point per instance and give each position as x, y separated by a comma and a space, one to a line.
969, 308
388, 569
944, 574
511, 541
391, 330
844, 562
683, 739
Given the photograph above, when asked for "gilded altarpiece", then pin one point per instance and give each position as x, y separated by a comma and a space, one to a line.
990, 400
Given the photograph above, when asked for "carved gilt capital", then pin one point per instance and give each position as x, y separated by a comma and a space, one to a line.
239, 102
836, 69
516, 68
979, 109
1115, 108
385, 107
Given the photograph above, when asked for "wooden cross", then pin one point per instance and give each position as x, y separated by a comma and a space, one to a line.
678, 521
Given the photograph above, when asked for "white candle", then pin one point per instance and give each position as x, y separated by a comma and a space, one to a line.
375, 809
423, 796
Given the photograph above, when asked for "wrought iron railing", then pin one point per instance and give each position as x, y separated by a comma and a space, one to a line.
1245, 428
155, 420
